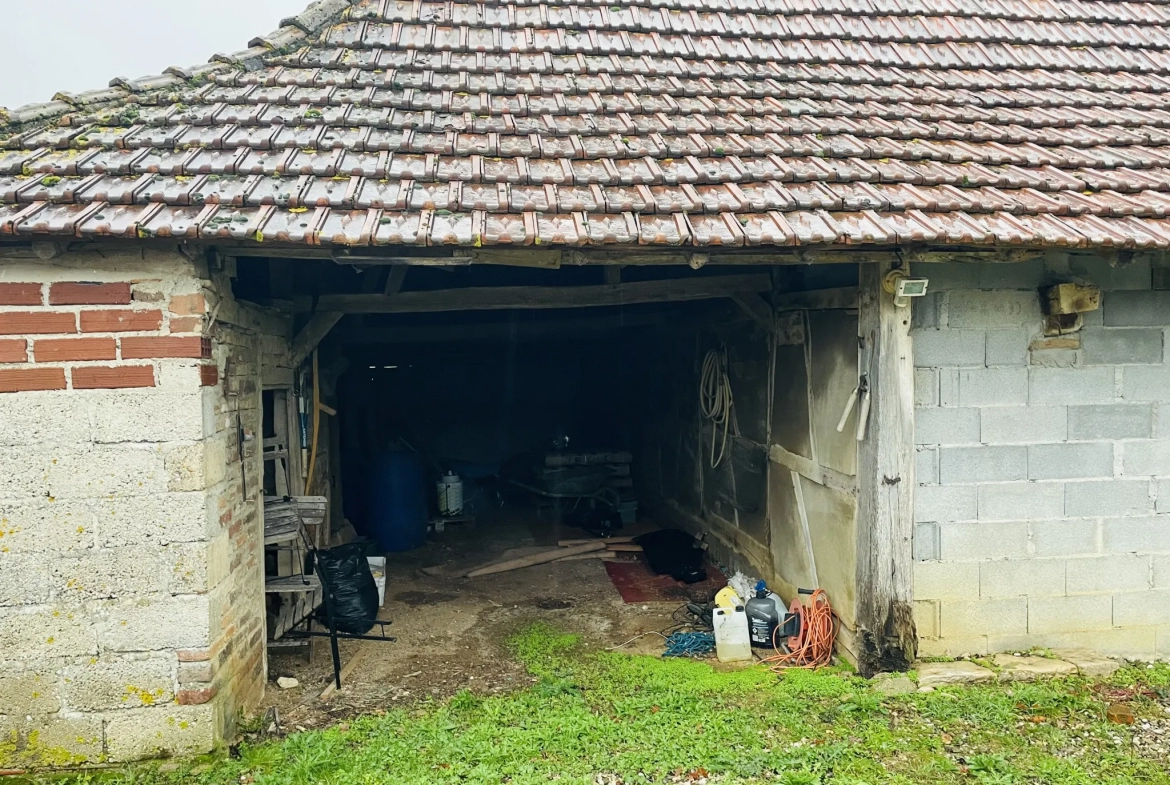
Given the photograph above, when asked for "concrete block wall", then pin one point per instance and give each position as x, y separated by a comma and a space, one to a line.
1041, 513
116, 512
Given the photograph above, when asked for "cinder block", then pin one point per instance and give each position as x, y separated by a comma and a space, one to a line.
145, 415
1070, 385
1110, 421
1146, 383
1104, 574
1141, 608
1070, 461
1136, 535
1162, 490
1161, 571
163, 731
926, 465
997, 308
108, 573
1007, 347
1021, 577
27, 689
926, 618
926, 542
946, 580
107, 471
1137, 309
955, 275
993, 386
982, 464
943, 504
1004, 616
1122, 345
156, 623
1021, 501
948, 387
1070, 614
118, 682
990, 540
52, 741
952, 647
1023, 424
1076, 537
946, 426
1145, 458
42, 633
949, 348
46, 526
25, 470
926, 311
24, 578
42, 418
1131, 643
160, 519
1135, 275
1019, 275
925, 387
1107, 498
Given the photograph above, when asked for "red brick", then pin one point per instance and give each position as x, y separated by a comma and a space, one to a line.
196, 697
20, 294
113, 377
13, 350
32, 322
166, 346
188, 304
186, 324
208, 375
57, 350
120, 320
83, 293
22, 380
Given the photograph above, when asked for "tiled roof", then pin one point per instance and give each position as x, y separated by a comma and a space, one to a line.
701, 122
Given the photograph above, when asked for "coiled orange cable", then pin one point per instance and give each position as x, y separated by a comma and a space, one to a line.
812, 647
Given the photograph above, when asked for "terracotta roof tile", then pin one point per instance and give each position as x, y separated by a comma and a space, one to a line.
663, 122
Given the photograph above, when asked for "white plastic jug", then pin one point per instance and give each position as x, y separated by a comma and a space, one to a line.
733, 642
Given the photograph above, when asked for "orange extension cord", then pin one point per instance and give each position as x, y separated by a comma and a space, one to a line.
812, 647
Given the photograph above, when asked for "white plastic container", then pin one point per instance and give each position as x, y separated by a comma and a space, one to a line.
733, 641
378, 570
450, 492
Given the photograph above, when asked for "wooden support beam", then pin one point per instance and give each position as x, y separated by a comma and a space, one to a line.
496, 298
613, 274
885, 509
844, 297
313, 333
758, 308
396, 278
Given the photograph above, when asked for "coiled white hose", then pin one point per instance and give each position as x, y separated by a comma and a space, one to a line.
716, 402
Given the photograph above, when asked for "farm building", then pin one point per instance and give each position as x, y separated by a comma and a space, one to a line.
922, 244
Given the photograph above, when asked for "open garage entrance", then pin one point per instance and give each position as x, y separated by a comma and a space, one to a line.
566, 406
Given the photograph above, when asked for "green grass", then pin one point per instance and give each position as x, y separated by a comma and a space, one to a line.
644, 720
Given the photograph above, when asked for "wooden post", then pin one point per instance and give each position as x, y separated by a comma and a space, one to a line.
885, 509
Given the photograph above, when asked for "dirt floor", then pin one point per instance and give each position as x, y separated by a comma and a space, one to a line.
452, 632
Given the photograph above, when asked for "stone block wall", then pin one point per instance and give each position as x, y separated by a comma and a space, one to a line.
1042, 512
131, 598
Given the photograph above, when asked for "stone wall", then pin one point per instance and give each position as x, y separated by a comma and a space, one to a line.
131, 597
1042, 508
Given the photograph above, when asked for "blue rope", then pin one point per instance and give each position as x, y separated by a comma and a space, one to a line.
689, 644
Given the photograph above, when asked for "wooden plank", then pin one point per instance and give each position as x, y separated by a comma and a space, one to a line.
314, 332
758, 308
544, 557
494, 298
395, 279
843, 297
586, 541
885, 522
821, 475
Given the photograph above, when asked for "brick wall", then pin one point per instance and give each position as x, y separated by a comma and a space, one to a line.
1043, 509
130, 596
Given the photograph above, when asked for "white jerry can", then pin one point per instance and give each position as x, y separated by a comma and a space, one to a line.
733, 641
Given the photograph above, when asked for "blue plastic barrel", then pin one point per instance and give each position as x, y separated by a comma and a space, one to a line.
397, 507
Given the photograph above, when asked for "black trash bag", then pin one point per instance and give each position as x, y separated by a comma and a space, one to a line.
672, 552
353, 599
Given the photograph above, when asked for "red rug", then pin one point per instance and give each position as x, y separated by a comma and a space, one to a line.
636, 582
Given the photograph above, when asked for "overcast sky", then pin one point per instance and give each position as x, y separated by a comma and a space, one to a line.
75, 45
